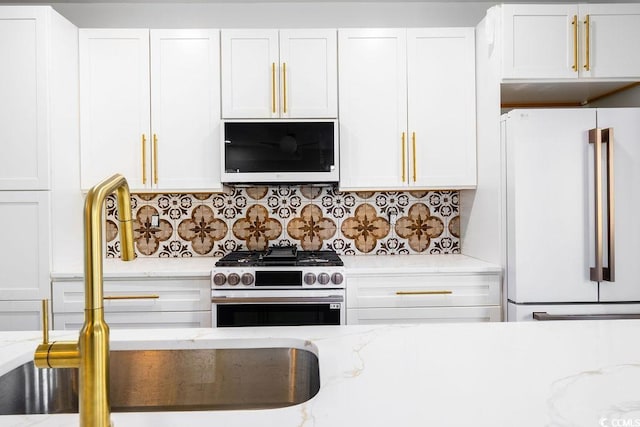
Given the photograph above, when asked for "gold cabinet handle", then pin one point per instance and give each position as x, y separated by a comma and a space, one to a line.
125, 297
587, 24
413, 144
273, 87
155, 158
574, 23
424, 292
404, 159
144, 158
284, 87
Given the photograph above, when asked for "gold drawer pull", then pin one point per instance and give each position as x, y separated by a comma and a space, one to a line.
423, 292
121, 297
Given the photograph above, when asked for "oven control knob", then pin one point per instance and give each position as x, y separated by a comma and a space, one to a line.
337, 278
233, 279
219, 279
309, 279
247, 279
323, 278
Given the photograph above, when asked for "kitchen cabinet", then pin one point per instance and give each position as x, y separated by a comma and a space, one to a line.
24, 257
570, 41
29, 47
137, 303
38, 99
407, 108
279, 74
149, 108
422, 297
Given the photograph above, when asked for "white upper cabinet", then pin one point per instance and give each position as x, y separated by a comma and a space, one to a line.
570, 41
442, 113
407, 108
373, 108
279, 74
24, 130
149, 108
185, 109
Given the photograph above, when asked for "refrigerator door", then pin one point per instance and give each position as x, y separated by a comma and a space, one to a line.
549, 206
625, 123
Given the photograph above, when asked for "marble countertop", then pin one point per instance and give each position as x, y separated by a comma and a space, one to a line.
579, 373
200, 267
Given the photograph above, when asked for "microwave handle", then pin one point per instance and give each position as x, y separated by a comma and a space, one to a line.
275, 300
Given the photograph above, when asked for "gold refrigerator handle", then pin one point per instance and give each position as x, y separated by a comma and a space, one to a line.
273, 87
587, 48
574, 23
284, 87
413, 143
144, 158
404, 158
155, 158
599, 272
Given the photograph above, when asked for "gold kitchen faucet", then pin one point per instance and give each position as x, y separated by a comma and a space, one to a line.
91, 352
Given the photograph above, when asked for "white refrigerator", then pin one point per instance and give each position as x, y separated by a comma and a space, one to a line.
572, 202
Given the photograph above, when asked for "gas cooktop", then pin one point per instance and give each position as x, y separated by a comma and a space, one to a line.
280, 256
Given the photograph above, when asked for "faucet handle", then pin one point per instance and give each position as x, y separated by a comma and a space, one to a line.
45, 321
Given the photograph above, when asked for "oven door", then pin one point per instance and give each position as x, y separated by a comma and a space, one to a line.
232, 308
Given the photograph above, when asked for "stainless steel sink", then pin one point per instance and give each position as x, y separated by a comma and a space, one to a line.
167, 380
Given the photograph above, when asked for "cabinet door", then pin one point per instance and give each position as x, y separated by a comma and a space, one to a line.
442, 114
114, 105
250, 74
24, 254
308, 72
185, 109
540, 41
614, 32
373, 108
20, 315
373, 316
141, 320
24, 148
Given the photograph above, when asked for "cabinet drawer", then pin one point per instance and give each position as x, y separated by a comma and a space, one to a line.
423, 290
138, 320
370, 316
136, 295
20, 315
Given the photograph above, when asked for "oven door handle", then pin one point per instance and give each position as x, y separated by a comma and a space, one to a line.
275, 300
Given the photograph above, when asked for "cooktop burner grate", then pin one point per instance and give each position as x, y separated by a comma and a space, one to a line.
280, 256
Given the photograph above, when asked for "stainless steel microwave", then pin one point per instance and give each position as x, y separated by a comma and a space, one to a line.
280, 151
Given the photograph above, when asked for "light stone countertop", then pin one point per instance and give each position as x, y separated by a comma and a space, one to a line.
528, 374
200, 267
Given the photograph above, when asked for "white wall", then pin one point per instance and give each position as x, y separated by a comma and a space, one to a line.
274, 15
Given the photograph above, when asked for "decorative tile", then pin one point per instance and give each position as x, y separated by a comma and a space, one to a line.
365, 228
257, 229
214, 224
311, 228
203, 229
419, 227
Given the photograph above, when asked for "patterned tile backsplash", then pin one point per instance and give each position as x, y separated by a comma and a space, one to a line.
186, 225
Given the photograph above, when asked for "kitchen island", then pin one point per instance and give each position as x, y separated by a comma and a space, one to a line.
580, 373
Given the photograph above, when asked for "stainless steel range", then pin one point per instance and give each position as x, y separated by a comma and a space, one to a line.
278, 287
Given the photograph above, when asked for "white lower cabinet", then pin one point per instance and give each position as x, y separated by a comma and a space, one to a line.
137, 303
423, 298
20, 315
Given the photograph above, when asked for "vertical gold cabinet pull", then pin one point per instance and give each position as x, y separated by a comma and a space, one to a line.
284, 87
587, 24
155, 158
413, 143
273, 87
574, 23
144, 159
